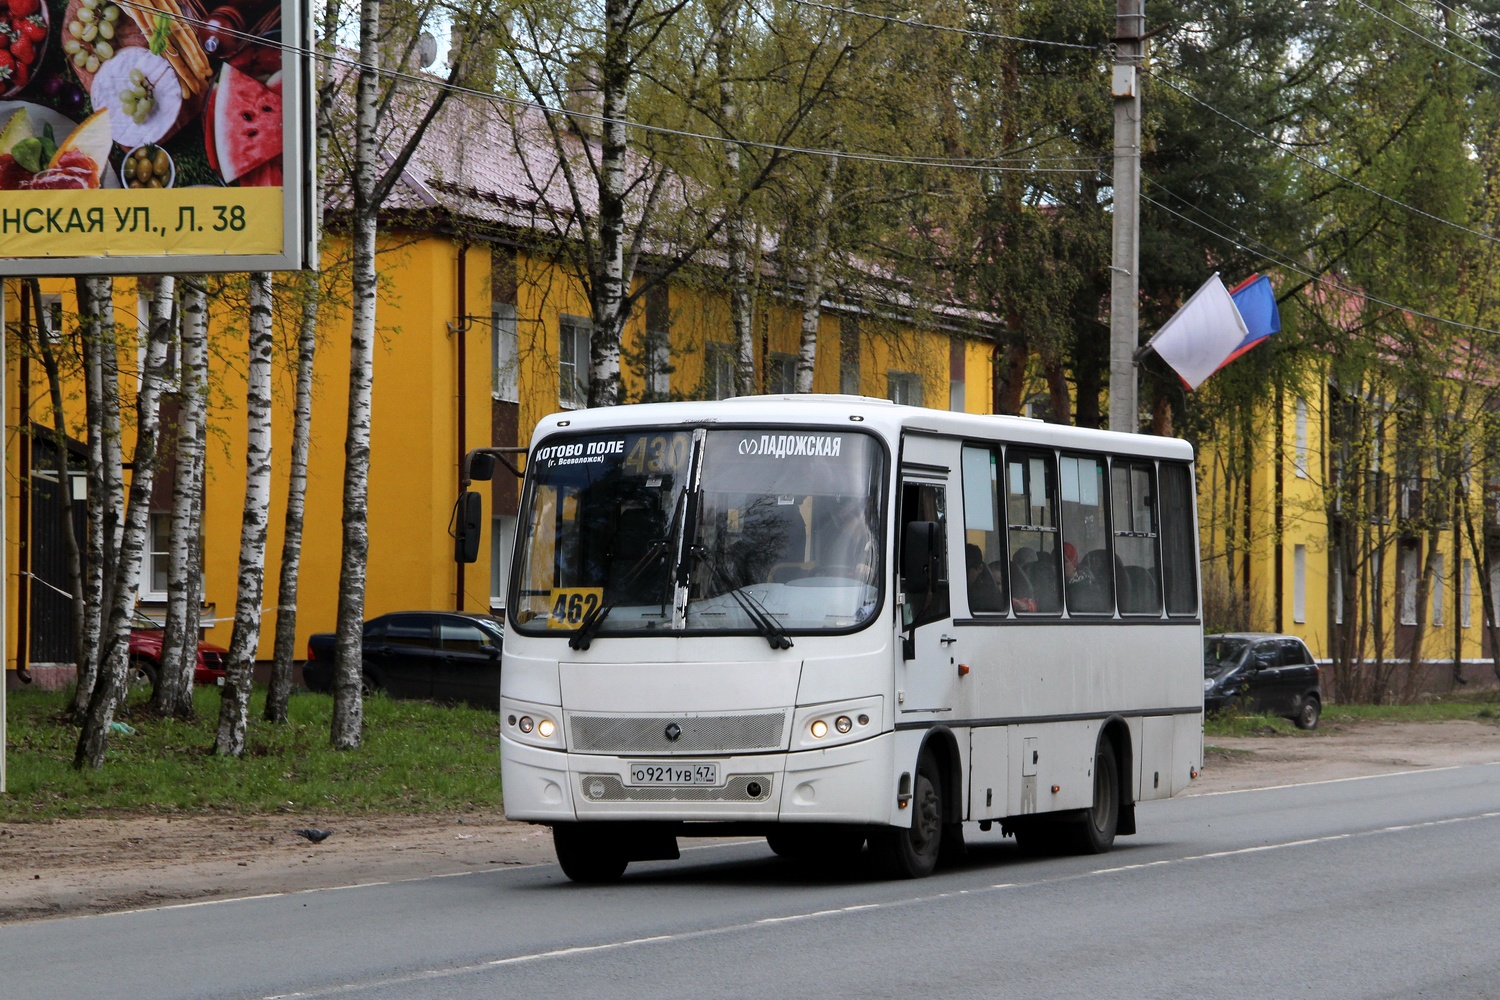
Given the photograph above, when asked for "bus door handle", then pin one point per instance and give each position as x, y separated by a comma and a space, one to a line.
947, 640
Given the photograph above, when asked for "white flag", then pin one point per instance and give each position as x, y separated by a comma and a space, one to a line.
1205, 331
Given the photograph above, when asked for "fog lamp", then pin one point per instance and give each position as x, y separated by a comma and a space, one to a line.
545, 728
819, 729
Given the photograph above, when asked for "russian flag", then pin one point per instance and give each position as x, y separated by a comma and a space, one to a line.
1256, 301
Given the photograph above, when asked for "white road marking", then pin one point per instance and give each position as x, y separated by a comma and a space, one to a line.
608, 946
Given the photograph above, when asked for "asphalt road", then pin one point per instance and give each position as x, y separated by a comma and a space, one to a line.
1375, 887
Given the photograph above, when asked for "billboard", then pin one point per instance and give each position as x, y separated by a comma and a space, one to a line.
141, 136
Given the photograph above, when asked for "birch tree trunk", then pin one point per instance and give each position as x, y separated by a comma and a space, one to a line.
741, 281
234, 706
609, 291
109, 686
348, 706
815, 276
174, 688
98, 341
296, 494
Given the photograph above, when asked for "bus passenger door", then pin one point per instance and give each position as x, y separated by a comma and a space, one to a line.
928, 679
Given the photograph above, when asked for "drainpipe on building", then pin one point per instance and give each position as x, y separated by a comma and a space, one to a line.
461, 331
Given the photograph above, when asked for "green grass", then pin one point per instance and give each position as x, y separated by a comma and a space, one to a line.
1482, 707
415, 757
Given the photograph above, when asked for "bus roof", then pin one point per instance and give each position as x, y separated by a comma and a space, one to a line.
878, 415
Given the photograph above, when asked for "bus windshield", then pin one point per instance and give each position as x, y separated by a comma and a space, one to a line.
780, 533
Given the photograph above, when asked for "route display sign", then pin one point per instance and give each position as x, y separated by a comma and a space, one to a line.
141, 136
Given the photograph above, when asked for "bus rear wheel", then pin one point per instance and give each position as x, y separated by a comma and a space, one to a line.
587, 854
1094, 831
912, 851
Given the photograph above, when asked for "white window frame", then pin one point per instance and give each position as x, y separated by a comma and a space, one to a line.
1299, 583
957, 398
502, 551
1336, 564
574, 334
718, 369
1299, 460
505, 382
1438, 569
1410, 570
145, 591
781, 374
659, 363
1466, 594
903, 387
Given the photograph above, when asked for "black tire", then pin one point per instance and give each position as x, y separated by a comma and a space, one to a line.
368, 684
1308, 715
1094, 830
586, 854
913, 851
141, 674
830, 844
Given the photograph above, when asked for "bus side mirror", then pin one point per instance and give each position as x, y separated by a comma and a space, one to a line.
918, 552
467, 525
481, 468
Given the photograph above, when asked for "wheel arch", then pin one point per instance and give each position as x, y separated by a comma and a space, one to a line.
1117, 731
943, 746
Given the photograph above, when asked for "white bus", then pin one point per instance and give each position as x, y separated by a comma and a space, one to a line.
833, 620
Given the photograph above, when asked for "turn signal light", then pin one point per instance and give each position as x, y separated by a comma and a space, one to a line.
527, 724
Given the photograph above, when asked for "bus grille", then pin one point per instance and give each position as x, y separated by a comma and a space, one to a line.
698, 733
739, 788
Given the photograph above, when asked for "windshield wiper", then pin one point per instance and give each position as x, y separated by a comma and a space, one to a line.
591, 621
766, 622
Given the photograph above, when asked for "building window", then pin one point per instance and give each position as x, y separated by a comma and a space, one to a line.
158, 558
1437, 588
781, 373
1409, 571
506, 382
1300, 458
718, 370
658, 373
904, 388
1336, 570
1299, 583
849, 355
1466, 595
502, 546
574, 333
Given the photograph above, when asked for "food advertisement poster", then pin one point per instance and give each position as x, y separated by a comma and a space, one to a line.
151, 135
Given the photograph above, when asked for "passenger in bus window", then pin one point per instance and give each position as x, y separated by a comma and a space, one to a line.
984, 592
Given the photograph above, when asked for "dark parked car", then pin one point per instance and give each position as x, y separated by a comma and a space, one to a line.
441, 655
145, 654
1264, 673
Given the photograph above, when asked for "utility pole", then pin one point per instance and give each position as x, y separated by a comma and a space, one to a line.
1124, 283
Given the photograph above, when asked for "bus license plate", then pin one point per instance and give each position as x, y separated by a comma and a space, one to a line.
673, 774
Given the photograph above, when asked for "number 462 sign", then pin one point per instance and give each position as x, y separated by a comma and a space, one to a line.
571, 605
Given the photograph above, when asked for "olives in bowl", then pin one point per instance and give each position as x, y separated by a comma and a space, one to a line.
148, 167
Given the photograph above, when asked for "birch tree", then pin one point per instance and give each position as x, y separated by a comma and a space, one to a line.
174, 686
113, 672
234, 706
96, 316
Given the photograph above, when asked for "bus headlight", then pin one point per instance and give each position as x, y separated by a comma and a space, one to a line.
818, 726
534, 725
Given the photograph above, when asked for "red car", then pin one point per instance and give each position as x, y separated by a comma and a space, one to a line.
145, 655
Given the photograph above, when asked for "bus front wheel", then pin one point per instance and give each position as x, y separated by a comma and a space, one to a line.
912, 851
587, 854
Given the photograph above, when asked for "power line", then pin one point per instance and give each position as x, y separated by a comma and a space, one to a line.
985, 164
1284, 263
1456, 34
1325, 169
971, 32
1437, 45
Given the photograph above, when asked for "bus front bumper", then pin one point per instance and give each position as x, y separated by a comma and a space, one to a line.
842, 784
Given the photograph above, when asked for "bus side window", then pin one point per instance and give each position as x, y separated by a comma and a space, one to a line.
985, 559
1031, 510
922, 502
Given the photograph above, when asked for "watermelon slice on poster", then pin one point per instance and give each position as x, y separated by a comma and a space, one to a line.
244, 130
